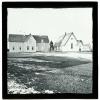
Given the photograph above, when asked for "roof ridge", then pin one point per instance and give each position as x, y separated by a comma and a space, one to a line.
15, 34
68, 38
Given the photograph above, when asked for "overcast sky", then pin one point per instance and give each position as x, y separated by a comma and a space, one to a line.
51, 22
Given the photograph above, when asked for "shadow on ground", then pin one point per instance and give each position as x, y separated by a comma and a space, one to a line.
31, 74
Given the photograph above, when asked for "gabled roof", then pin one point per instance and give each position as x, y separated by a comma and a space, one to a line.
16, 38
68, 37
23, 38
63, 39
39, 38
80, 41
59, 41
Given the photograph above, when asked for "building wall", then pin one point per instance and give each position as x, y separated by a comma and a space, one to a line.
43, 47
86, 48
30, 45
72, 45
22, 46
80, 46
15, 46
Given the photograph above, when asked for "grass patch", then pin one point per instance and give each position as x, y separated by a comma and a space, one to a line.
56, 75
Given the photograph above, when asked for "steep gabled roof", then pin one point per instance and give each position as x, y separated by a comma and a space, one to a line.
45, 38
59, 41
68, 35
16, 38
39, 38
64, 39
80, 41
23, 38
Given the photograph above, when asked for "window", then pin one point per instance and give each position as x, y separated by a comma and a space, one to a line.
13, 48
71, 45
20, 48
32, 48
80, 49
42, 41
27, 47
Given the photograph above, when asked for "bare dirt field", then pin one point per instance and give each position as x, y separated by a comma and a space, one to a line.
49, 73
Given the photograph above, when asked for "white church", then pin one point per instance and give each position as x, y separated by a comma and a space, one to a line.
69, 42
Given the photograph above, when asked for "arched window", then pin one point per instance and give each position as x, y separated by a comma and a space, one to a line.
27, 47
71, 45
80, 49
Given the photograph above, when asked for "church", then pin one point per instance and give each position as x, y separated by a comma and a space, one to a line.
69, 42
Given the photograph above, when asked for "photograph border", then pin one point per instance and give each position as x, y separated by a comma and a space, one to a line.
93, 5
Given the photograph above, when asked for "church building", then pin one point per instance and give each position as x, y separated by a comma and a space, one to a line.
69, 42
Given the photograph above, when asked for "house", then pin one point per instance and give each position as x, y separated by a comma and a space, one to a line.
69, 42
42, 43
22, 43
87, 47
80, 45
28, 43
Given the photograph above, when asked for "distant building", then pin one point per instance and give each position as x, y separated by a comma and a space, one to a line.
28, 43
87, 47
42, 43
80, 45
69, 42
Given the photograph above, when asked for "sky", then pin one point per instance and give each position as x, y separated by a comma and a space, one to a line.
51, 22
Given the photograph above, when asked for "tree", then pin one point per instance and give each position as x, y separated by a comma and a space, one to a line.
51, 46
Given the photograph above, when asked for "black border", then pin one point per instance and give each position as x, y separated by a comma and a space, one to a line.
56, 5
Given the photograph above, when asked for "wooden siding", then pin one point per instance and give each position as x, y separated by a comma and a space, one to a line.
43, 47
15, 46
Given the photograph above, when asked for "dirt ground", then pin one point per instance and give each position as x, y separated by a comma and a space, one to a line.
49, 73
